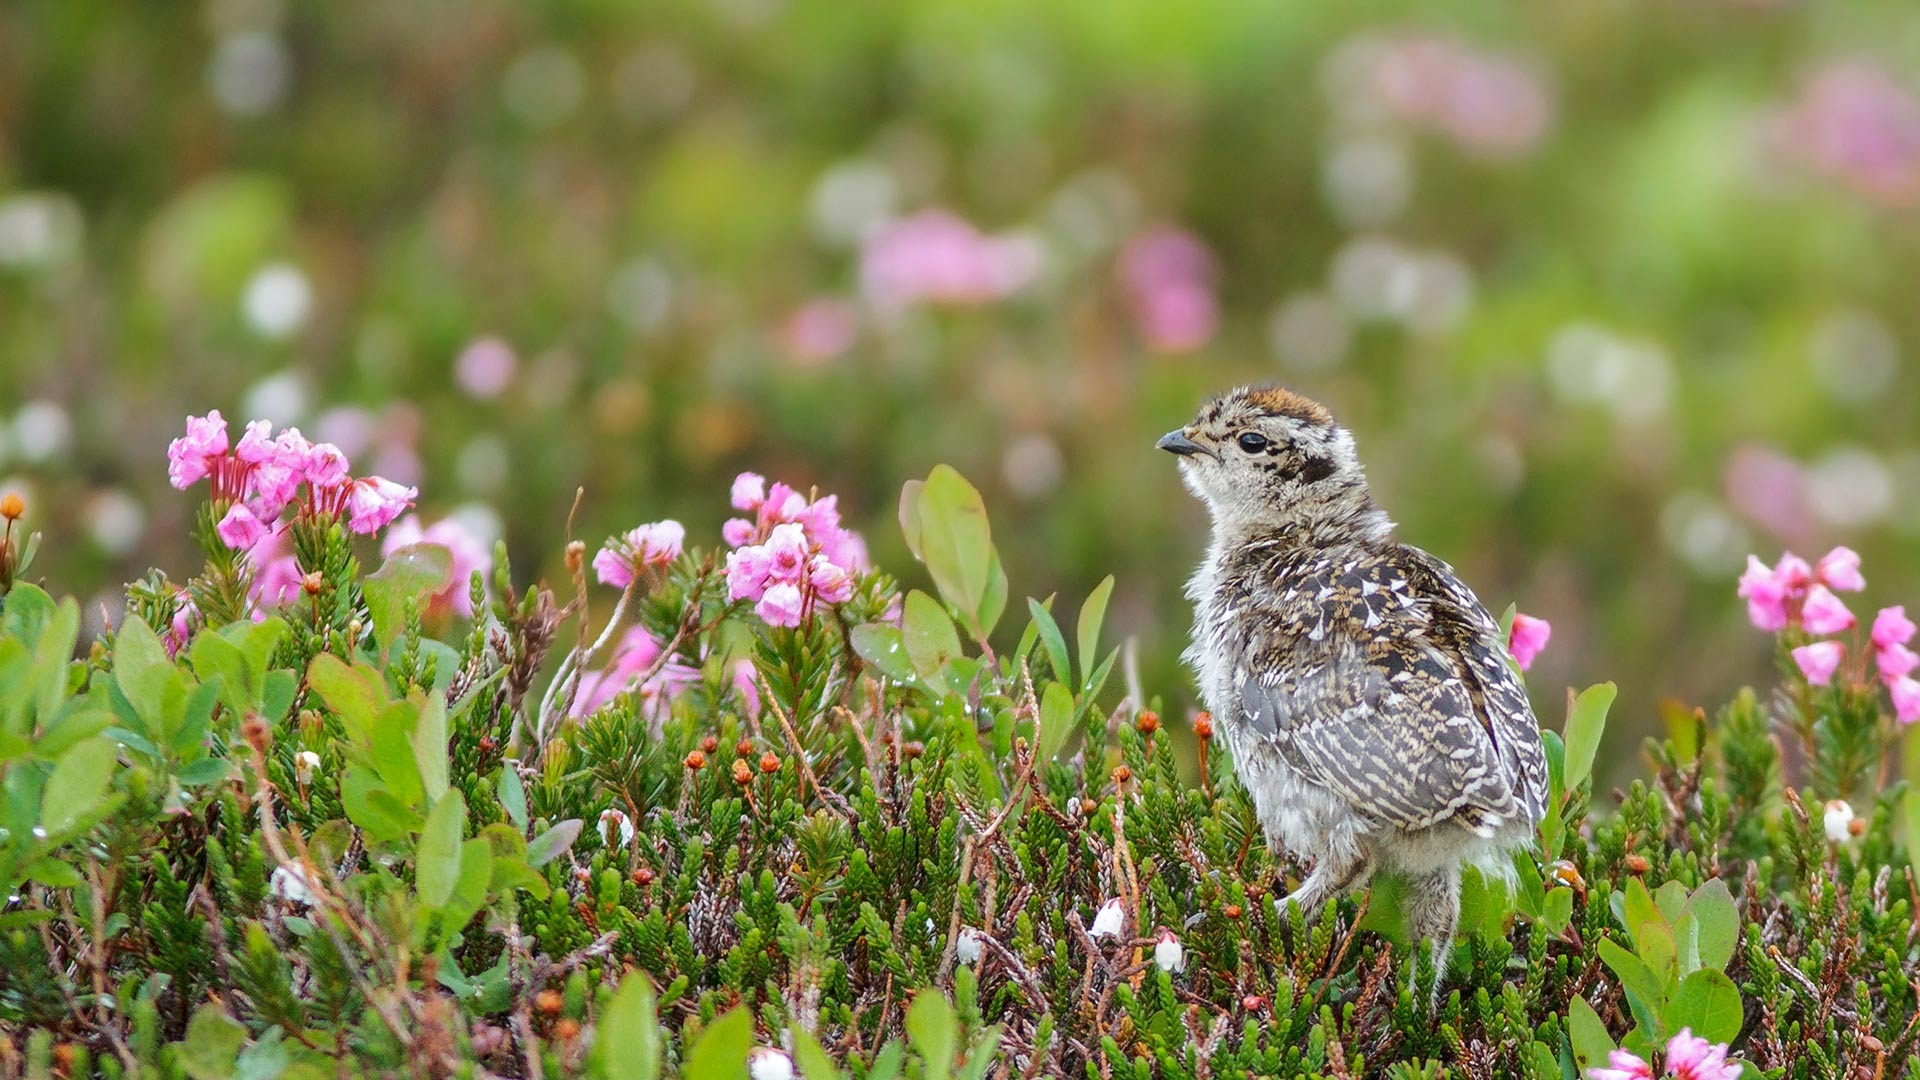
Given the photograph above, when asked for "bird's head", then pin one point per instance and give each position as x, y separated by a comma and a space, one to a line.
1268, 458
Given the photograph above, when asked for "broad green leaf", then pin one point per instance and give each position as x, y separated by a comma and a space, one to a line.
410, 573
931, 640
910, 515
26, 612
930, 1024
993, 603
391, 747
626, 1043
720, 1052
470, 886
1712, 909
354, 694
1092, 614
1709, 1003
1588, 1034
813, 1061
213, 1044
436, 862
1051, 638
429, 743
152, 685
1056, 721
553, 843
513, 795
372, 807
955, 540
1586, 722
1557, 910
78, 783
885, 648
52, 650
1634, 974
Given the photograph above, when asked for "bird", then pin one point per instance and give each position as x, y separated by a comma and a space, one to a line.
1364, 692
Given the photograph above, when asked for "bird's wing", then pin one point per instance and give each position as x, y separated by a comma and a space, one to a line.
1388, 727
1461, 624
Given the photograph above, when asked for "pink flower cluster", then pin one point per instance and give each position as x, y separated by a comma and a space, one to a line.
262, 475
1527, 638
792, 554
1169, 276
1857, 125
1791, 592
1488, 103
637, 654
1689, 1057
938, 257
624, 557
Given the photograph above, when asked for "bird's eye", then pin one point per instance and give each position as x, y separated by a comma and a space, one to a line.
1253, 442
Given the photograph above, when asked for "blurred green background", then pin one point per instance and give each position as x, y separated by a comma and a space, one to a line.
1612, 293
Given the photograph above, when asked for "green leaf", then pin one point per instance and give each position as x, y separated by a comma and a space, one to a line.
213, 1044
1087, 635
930, 1024
79, 781
513, 795
470, 887
1586, 722
955, 540
930, 638
1709, 1003
1056, 721
152, 685
429, 743
885, 648
1712, 911
720, 1053
410, 573
1050, 636
436, 862
813, 1061
627, 1040
993, 603
910, 515
1588, 1034
1635, 977
391, 749
355, 694
1557, 910
372, 807
553, 843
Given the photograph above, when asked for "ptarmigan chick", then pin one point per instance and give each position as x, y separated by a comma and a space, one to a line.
1362, 689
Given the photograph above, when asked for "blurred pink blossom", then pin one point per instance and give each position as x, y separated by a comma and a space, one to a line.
1690, 1057
1840, 569
373, 502
1621, 1065
1819, 660
637, 653
746, 680
1892, 627
1169, 277
1527, 638
821, 329
1855, 124
485, 368
938, 257
466, 551
276, 574
1769, 488
1765, 594
180, 631
1905, 692
622, 557
1488, 103
1823, 613
240, 529
1894, 661
749, 491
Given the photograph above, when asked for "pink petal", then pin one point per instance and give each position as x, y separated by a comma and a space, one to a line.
1527, 638
1892, 627
1819, 661
1840, 569
1823, 612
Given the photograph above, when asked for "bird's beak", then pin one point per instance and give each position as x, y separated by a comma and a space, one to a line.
1176, 442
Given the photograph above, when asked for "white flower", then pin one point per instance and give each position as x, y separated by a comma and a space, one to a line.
304, 763
968, 947
1107, 921
1838, 818
1169, 953
290, 882
612, 821
766, 1063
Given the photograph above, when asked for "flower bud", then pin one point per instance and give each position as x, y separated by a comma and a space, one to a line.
710, 745
566, 1028
548, 1002
12, 506
743, 748
1253, 1003
1203, 725
643, 877
1231, 911
312, 583
1148, 721
1122, 774
256, 732
769, 762
696, 760
576, 556
742, 772
304, 763
1636, 864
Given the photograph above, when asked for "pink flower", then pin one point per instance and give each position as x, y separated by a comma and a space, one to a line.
1895, 660
185, 618
786, 552
746, 573
623, 557
1840, 569
1690, 1057
1859, 126
276, 573
326, 466
255, 446
1892, 627
820, 330
1793, 573
485, 368
1169, 277
1527, 638
749, 491
936, 257
1823, 612
746, 681
830, 583
737, 531
1766, 597
240, 529
781, 605
636, 654
466, 552
1622, 1066
373, 503
1905, 692
192, 456
1819, 660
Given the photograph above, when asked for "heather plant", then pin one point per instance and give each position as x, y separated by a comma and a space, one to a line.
765, 810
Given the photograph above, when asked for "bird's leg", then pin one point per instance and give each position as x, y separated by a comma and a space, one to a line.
1331, 875
1433, 909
